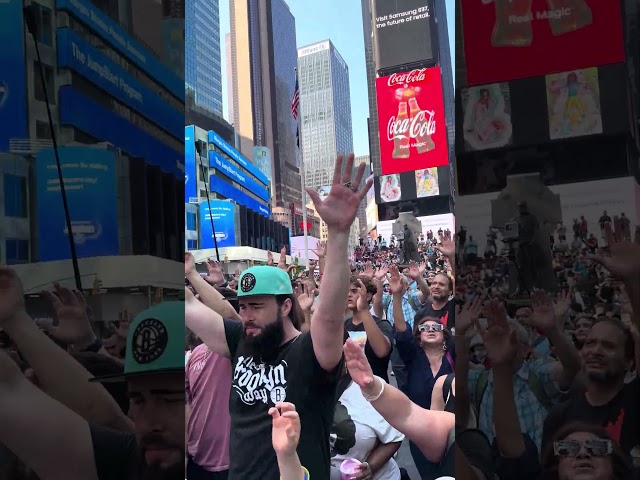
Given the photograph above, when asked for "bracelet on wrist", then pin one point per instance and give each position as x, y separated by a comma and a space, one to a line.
373, 398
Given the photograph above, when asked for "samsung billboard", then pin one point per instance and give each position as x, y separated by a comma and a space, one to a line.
402, 32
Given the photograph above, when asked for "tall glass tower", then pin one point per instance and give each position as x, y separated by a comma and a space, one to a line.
203, 68
325, 105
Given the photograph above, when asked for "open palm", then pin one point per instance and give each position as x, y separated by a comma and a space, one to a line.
338, 210
71, 311
357, 364
285, 433
543, 316
624, 261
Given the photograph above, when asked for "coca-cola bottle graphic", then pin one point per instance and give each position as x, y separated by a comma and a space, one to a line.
568, 15
421, 127
513, 23
400, 132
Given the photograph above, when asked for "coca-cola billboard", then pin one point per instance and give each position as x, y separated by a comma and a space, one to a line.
411, 121
511, 39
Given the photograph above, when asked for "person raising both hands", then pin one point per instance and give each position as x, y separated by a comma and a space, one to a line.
285, 435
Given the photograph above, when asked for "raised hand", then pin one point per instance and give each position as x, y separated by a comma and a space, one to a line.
498, 338
381, 273
285, 432
562, 304
414, 270
215, 277
339, 209
357, 364
395, 280
543, 316
423, 267
282, 262
306, 298
448, 248
269, 258
11, 294
362, 305
189, 263
321, 249
624, 261
468, 315
368, 272
74, 327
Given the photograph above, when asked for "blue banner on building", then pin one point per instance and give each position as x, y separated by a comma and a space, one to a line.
234, 173
13, 83
237, 157
224, 213
107, 126
116, 36
80, 56
190, 167
229, 191
90, 182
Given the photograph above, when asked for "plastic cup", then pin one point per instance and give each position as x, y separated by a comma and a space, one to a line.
359, 337
349, 468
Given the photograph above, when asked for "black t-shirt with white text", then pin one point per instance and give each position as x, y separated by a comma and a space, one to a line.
293, 375
620, 417
447, 314
379, 366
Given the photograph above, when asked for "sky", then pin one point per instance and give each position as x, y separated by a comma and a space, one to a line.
341, 22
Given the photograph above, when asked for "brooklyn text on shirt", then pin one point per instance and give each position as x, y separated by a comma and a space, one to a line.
255, 382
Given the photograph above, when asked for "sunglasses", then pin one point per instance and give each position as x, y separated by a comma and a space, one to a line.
436, 327
571, 448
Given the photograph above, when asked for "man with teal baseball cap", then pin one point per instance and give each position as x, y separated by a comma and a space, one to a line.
273, 361
154, 372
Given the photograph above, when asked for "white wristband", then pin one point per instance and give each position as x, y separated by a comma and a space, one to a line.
370, 398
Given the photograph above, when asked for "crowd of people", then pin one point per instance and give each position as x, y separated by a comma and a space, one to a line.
558, 365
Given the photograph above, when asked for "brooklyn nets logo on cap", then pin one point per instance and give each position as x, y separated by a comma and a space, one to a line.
149, 341
248, 282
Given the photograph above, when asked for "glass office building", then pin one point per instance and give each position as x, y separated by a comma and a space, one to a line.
203, 68
325, 104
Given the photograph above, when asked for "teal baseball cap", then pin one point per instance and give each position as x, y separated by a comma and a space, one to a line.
264, 280
155, 343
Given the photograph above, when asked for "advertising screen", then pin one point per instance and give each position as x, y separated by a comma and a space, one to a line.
89, 176
390, 188
413, 133
13, 91
262, 160
190, 168
427, 183
573, 102
553, 35
297, 246
487, 116
402, 32
223, 221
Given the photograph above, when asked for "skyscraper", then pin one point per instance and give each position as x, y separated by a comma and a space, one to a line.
229, 65
203, 68
444, 60
325, 103
264, 59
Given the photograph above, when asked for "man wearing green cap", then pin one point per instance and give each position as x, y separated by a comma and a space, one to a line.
58, 435
273, 362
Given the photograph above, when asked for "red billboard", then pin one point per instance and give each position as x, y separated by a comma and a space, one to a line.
511, 39
411, 121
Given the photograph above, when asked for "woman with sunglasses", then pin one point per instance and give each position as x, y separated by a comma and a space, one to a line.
585, 452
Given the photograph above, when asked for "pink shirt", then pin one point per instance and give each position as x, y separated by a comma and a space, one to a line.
208, 384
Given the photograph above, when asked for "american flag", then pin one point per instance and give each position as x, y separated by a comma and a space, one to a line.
295, 102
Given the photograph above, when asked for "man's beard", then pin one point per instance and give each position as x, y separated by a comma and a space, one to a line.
156, 471
265, 344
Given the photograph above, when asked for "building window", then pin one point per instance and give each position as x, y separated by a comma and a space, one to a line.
48, 78
17, 251
192, 244
43, 131
191, 221
44, 23
15, 196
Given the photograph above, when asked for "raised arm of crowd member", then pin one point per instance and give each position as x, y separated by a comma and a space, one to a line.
415, 272
285, 435
448, 249
89, 400
282, 262
306, 300
624, 263
379, 342
465, 319
429, 430
211, 297
379, 278
338, 210
518, 454
396, 286
321, 252
545, 317
47, 436
207, 324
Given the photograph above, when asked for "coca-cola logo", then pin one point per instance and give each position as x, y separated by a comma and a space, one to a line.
420, 125
407, 77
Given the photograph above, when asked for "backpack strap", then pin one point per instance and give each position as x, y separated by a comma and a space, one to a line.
481, 387
452, 364
536, 387
446, 387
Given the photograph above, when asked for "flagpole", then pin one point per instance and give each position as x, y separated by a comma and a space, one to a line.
302, 179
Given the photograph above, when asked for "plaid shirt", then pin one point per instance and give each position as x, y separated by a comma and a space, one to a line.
409, 312
530, 411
